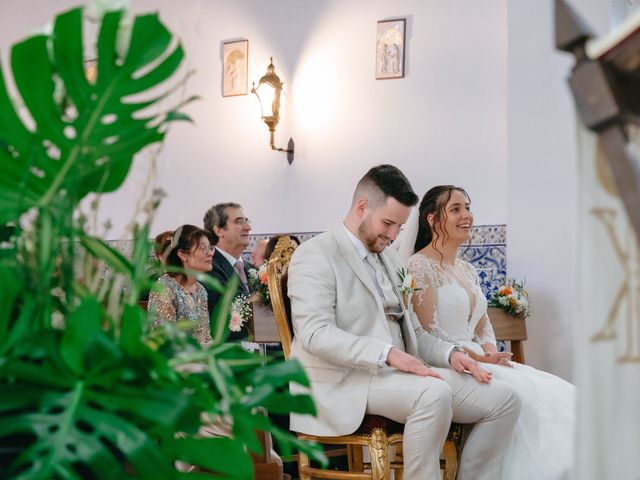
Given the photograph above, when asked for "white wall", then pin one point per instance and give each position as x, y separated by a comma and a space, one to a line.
484, 105
444, 123
542, 174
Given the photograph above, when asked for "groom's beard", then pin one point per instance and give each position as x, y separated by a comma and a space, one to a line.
375, 243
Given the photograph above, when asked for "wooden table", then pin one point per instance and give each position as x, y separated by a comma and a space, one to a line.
511, 329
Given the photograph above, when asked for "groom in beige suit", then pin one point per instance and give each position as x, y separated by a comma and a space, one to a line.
365, 353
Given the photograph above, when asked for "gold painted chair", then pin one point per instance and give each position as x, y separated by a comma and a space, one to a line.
376, 433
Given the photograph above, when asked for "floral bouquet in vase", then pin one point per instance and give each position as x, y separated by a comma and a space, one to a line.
512, 298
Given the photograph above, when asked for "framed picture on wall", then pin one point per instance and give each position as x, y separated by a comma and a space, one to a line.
235, 56
390, 39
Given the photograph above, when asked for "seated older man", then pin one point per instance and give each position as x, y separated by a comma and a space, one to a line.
229, 230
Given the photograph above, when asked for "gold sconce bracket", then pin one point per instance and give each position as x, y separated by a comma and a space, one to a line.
271, 85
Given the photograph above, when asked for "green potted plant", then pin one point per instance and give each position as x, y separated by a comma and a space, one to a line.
87, 389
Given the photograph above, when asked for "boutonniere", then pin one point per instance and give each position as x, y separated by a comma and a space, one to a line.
407, 286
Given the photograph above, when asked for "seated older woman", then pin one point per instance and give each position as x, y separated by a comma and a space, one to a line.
181, 296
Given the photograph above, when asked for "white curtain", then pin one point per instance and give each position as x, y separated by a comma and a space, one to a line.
607, 326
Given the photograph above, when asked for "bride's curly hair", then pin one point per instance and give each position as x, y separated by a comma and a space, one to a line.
434, 202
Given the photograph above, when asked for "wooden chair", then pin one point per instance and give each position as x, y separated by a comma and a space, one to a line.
509, 328
376, 433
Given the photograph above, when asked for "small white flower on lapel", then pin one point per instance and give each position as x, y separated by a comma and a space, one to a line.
407, 286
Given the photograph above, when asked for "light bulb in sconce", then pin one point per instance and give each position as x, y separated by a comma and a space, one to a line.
268, 92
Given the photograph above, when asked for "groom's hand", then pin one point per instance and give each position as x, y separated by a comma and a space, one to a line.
461, 362
408, 363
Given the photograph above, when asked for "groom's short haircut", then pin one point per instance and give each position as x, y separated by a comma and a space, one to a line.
382, 182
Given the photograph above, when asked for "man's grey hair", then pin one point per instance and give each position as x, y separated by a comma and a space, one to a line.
217, 216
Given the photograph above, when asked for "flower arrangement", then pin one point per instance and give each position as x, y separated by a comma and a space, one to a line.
240, 313
512, 298
259, 285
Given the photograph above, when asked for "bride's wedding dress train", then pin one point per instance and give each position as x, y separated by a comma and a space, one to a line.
452, 306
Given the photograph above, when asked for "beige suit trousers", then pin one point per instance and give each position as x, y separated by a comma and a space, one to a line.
427, 406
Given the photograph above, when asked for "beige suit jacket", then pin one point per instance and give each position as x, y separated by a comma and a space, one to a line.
340, 330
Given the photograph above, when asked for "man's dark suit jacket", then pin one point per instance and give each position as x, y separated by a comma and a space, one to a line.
223, 271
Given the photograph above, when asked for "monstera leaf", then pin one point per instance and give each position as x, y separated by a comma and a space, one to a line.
84, 142
78, 405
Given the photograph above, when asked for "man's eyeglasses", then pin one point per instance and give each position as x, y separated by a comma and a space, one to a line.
242, 221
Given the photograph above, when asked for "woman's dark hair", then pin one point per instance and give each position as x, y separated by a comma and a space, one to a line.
184, 238
434, 202
271, 244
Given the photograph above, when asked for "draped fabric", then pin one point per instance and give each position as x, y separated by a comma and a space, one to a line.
451, 306
606, 325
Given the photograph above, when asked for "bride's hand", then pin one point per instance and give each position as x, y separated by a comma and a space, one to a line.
505, 362
499, 358
462, 363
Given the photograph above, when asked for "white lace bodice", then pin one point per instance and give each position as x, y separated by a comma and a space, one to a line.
449, 303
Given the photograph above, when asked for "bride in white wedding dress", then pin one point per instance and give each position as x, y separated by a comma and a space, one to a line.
451, 306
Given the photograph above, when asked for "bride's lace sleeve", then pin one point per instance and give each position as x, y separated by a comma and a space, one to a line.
483, 332
425, 299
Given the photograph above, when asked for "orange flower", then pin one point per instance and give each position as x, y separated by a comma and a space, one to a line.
264, 278
505, 291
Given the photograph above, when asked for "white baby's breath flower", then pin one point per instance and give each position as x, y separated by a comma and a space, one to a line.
240, 313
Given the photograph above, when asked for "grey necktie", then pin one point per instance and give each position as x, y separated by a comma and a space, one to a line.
243, 276
383, 284
390, 301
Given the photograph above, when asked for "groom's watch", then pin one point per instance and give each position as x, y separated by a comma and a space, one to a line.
456, 348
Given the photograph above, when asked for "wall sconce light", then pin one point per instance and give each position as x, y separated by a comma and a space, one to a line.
270, 88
